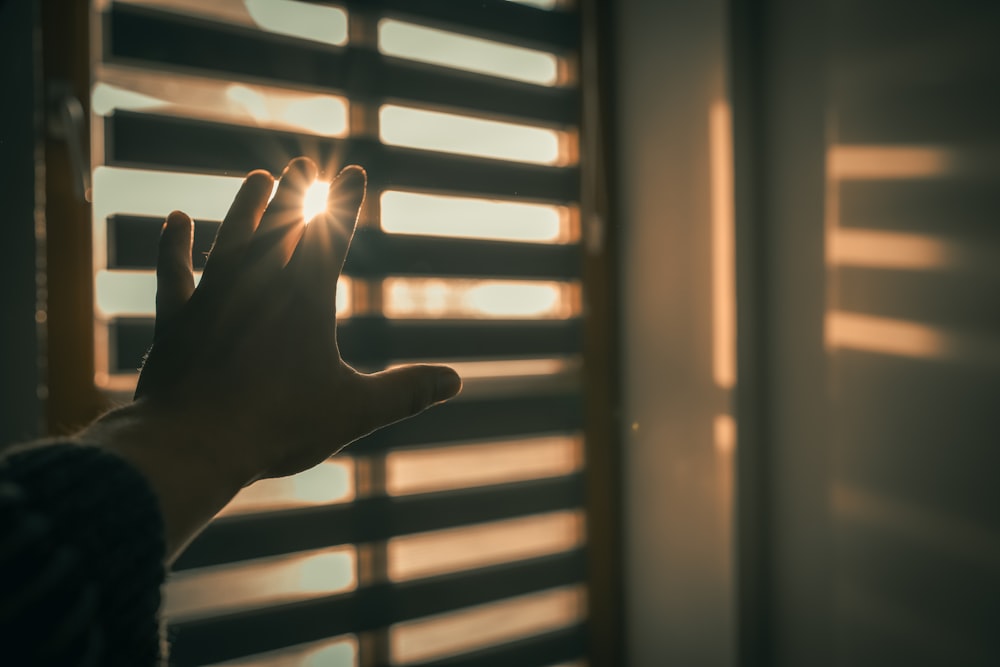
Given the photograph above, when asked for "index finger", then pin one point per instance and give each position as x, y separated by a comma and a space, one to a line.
238, 227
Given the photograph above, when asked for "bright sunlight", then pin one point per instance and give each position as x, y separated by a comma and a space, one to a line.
314, 201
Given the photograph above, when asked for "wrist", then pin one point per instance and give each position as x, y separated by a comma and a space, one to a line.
191, 477
140, 429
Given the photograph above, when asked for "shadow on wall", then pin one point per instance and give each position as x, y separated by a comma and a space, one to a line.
913, 249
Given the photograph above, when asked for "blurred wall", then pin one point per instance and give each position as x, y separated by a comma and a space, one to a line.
913, 330
672, 167
19, 405
864, 522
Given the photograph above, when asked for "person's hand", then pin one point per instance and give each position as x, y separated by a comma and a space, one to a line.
249, 358
244, 379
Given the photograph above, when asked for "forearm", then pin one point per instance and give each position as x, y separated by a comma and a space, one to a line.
179, 463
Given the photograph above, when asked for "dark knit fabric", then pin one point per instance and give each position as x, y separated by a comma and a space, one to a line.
81, 560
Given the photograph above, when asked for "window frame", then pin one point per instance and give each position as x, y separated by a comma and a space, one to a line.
72, 399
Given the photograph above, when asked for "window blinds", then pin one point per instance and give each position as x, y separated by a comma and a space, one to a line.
456, 537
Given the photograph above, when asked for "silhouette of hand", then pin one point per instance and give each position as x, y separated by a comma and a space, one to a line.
247, 363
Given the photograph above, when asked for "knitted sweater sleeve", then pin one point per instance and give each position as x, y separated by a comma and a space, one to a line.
81, 559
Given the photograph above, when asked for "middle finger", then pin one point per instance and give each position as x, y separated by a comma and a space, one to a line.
281, 225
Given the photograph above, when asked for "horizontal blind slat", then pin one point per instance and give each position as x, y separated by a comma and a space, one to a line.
153, 141
491, 19
233, 635
406, 168
168, 42
443, 339
372, 341
473, 420
511, 100
132, 242
152, 39
373, 519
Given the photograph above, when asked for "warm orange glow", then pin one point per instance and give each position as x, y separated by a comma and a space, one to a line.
507, 368
106, 98
540, 4
330, 482
514, 300
443, 551
881, 334
251, 101
485, 625
121, 293
477, 299
888, 162
123, 383
339, 651
514, 376
314, 201
908, 339
211, 99
466, 135
724, 477
724, 428
266, 581
891, 250
319, 114
723, 248
319, 23
473, 54
467, 217
156, 193
427, 470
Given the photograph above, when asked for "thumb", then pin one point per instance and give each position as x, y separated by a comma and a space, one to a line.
399, 393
